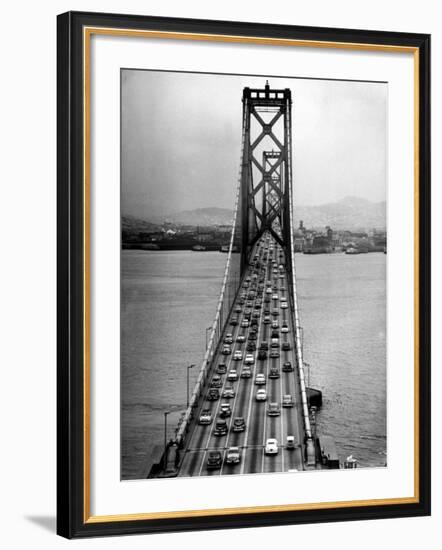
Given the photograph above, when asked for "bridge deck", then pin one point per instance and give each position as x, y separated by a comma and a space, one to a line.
259, 426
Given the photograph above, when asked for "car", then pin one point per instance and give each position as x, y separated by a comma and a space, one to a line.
240, 338
266, 320
260, 379
221, 368
267, 312
255, 315
214, 460
239, 424
250, 359
284, 330
281, 276
254, 322
275, 334
261, 395
275, 313
246, 372
264, 345
233, 455
273, 409
220, 427
229, 392
290, 442
274, 343
244, 323
237, 356
234, 321
262, 355
268, 290
225, 410
267, 299
286, 346
228, 339
227, 350
287, 400
258, 305
283, 305
253, 336
213, 394
238, 309
275, 297
232, 376
275, 324
282, 287
287, 366
274, 372
271, 447
205, 417
216, 381
251, 346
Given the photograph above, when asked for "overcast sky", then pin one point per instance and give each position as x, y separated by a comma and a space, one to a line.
181, 137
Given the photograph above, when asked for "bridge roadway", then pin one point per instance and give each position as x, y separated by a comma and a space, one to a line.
259, 426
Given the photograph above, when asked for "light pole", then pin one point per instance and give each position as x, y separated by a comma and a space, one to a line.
207, 343
165, 440
188, 369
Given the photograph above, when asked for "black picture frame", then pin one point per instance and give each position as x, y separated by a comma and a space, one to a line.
72, 520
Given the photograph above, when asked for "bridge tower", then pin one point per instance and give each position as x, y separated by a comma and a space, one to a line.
266, 173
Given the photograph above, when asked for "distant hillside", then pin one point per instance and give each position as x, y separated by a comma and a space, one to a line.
137, 225
349, 213
203, 217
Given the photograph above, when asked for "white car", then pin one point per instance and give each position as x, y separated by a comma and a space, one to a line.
271, 447
237, 356
244, 323
284, 330
284, 305
240, 338
249, 360
232, 376
275, 297
261, 395
260, 379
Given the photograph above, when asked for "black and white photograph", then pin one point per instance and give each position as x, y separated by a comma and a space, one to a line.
253, 274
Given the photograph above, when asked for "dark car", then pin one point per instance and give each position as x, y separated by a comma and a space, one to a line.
285, 346
221, 368
273, 409
234, 321
287, 366
264, 345
213, 394
275, 333
274, 354
262, 354
220, 427
275, 312
274, 372
216, 381
251, 346
214, 460
253, 336
239, 424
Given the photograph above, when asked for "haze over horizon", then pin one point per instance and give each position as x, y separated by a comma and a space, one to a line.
181, 139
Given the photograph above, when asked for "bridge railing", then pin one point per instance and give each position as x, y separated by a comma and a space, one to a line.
229, 289
311, 458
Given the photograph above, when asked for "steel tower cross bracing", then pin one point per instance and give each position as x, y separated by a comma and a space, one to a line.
266, 120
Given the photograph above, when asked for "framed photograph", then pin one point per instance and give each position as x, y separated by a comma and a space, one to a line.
243, 274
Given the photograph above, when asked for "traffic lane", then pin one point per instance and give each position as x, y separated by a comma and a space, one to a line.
253, 453
273, 423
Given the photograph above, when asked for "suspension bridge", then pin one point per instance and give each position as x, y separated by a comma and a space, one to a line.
251, 410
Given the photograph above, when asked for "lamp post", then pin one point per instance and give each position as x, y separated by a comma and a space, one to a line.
188, 369
207, 343
165, 440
